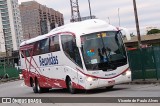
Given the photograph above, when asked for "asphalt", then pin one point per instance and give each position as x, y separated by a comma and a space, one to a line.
146, 81
137, 81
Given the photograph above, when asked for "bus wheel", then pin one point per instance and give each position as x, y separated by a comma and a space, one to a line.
35, 90
38, 86
40, 89
109, 87
70, 86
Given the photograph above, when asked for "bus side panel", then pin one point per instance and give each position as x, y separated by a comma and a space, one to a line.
53, 77
57, 76
26, 77
51, 74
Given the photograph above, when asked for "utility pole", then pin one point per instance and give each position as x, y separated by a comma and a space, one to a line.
75, 14
109, 20
90, 9
137, 23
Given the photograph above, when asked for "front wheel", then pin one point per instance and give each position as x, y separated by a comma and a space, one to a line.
70, 87
109, 87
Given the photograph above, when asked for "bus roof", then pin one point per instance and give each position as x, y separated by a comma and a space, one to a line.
78, 28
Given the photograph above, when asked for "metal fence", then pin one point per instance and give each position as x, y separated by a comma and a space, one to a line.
145, 63
8, 72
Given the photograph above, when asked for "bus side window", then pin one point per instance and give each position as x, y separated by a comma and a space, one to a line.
36, 50
70, 49
27, 52
22, 53
44, 46
54, 44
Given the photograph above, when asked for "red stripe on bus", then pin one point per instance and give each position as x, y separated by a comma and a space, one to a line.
51, 83
102, 77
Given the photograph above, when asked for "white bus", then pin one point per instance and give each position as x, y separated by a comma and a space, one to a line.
81, 55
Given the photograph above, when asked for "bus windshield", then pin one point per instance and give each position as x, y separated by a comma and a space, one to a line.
103, 51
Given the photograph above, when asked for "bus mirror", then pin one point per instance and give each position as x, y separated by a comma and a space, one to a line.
78, 41
125, 32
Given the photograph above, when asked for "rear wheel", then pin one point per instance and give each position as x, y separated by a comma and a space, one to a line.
70, 87
37, 89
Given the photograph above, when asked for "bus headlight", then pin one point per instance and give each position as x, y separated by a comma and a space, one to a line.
128, 73
89, 79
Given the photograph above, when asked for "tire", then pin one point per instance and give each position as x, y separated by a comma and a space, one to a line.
109, 87
37, 89
70, 86
34, 87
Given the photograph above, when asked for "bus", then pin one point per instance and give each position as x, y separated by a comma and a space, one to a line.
83, 55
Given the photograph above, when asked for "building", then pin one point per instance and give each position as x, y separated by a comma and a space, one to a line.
11, 34
148, 40
38, 19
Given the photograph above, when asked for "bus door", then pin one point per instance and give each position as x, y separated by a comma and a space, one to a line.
72, 56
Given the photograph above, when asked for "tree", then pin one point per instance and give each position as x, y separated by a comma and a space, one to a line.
153, 31
132, 35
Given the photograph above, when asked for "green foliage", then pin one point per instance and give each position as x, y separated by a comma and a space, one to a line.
132, 35
153, 31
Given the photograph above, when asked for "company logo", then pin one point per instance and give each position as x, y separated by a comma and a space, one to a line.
111, 74
51, 60
21, 100
6, 100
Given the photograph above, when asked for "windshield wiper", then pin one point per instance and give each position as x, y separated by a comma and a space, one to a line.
104, 49
106, 66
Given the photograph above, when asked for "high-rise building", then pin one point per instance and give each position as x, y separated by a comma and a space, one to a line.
38, 19
11, 34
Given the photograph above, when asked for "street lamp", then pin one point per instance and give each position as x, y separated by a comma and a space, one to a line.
90, 9
137, 23
109, 20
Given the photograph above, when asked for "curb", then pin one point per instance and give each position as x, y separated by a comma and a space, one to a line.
2, 81
145, 82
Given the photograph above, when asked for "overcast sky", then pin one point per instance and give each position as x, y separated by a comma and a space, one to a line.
148, 11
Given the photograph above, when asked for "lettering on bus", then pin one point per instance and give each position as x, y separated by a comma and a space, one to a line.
51, 60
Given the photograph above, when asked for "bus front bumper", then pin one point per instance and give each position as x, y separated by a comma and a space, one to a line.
92, 83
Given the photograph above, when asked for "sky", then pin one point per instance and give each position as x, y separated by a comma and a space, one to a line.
148, 11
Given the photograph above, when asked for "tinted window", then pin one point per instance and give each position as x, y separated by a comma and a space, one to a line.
22, 53
70, 49
44, 46
27, 53
54, 44
103, 51
36, 48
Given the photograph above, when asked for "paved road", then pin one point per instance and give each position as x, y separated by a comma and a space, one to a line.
18, 89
